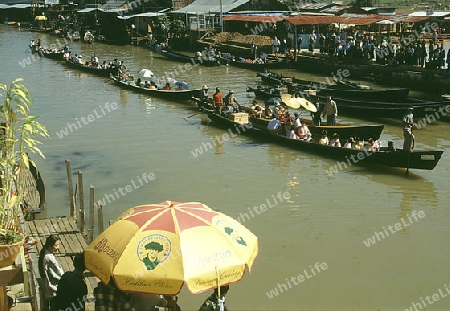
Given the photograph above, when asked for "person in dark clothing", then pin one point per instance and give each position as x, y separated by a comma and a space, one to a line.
72, 290
213, 302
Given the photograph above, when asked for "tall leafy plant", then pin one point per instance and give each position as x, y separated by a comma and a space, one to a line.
18, 136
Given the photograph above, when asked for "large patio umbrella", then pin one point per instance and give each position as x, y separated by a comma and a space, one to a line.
157, 248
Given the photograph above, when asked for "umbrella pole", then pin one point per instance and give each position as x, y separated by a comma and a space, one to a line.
218, 283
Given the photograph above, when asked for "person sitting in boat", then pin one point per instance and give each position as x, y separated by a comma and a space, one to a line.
358, 144
138, 82
94, 61
390, 146
287, 122
335, 142
256, 109
297, 122
290, 133
105, 65
369, 146
274, 126
349, 143
267, 111
66, 55
167, 87
116, 63
276, 110
230, 100
324, 139
152, 86
304, 132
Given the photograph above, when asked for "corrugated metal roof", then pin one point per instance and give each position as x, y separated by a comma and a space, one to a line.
307, 5
208, 6
253, 18
435, 14
321, 20
87, 10
15, 6
409, 19
336, 8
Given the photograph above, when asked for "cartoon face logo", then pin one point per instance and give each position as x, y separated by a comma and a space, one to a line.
232, 232
153, 250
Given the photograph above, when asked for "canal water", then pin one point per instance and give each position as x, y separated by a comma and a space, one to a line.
327, 219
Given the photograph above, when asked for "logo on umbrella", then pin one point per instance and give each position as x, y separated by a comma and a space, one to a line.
232, 232
153, 250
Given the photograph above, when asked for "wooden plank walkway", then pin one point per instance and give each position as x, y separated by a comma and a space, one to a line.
72, 242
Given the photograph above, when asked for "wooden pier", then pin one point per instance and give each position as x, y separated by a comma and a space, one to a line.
71, 243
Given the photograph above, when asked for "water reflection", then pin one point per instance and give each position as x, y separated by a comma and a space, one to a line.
412, 197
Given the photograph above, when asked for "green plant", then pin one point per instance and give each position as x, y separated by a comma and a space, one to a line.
18, 132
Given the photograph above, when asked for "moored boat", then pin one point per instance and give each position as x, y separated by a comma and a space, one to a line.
363, 108
255, 65
195, 60
425, 160
342, 89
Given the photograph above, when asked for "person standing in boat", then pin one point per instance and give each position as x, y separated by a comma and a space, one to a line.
218, 100
408, 123
204, 97
316, 115
330, 111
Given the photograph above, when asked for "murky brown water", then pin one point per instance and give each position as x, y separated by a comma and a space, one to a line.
326, 220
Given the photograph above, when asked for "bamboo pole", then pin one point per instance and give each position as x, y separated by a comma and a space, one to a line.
100, 217
81, 198
72, 214
91, 215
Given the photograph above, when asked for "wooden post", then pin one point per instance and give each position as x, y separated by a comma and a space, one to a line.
73, 213
91, 215
100, 217
81, 198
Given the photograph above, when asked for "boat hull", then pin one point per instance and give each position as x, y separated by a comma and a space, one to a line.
425, 160
93, 70
174, 95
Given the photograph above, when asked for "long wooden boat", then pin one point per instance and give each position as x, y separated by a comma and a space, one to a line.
341, 89
102, 72
247, 64
364, 108
180, 57
173, 95
425, 160
363, 132
272, 78
53, 55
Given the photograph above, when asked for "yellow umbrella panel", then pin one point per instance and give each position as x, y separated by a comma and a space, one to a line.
157, 248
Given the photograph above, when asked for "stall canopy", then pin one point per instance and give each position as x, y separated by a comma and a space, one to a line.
205, 6
254, 18
325, 20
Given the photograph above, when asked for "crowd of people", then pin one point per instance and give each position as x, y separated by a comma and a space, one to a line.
67, 291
